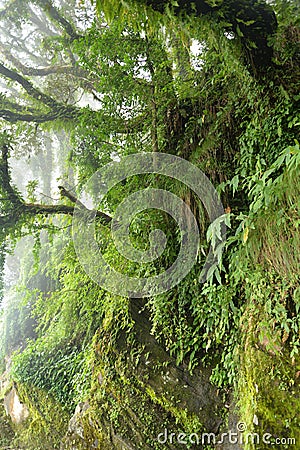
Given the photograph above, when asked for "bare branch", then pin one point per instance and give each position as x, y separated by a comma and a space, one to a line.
28, 86
64, 193
42, 26
21, 208
54, 13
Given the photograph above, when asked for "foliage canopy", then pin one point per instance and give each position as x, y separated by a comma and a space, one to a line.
216, 83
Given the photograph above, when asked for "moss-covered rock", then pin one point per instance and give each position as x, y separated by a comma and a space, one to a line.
139, 392
268, 389
46, 424
7, 433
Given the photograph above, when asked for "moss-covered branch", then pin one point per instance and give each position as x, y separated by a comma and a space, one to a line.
19, 208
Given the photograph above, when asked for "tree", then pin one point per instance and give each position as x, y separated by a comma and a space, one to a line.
253, 23
232, 109
17, 210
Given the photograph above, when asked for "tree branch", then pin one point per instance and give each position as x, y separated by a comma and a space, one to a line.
32, 71
21, 208
5, 178
53, 12
46, 210
5, 102
67, 112
64, 193
28, 86
42, 26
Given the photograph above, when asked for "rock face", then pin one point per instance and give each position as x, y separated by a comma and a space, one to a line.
140, 399
146, 404
75, 427
17, 411
77, 437
230, 436
4, 377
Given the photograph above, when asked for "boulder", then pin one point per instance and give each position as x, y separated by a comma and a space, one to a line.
17, 411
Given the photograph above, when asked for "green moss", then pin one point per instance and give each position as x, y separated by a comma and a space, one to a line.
46, 424
123, 407
187, 421
7, 433
268, 388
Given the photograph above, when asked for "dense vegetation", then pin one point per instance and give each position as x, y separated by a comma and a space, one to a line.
216, 84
